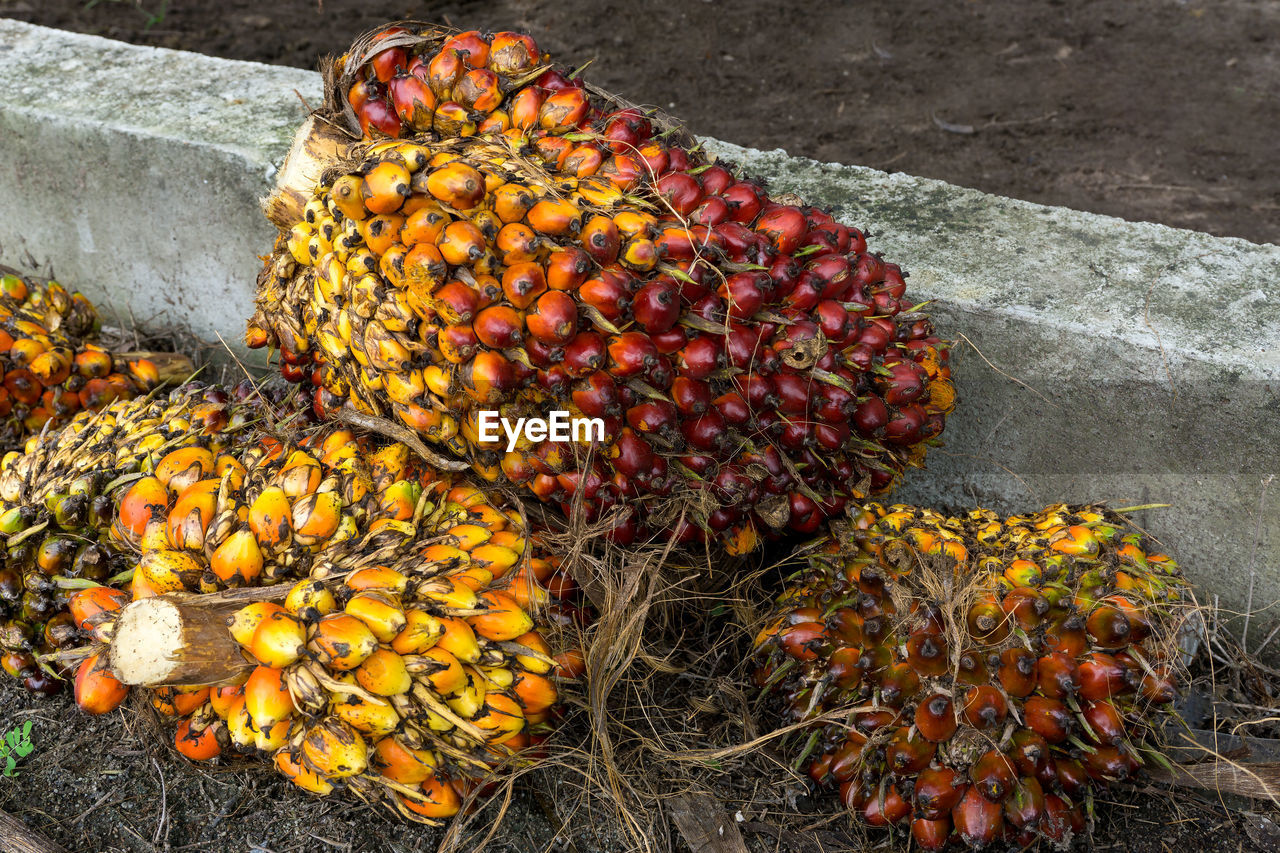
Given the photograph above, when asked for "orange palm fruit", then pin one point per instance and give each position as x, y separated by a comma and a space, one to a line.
399, 763
498, 559
197, 745
442, 671
223, 699
97, 691
183, 467
334, 749
378, 578
269, 518
341, 641
267, 698
279, 640
459, 639
300, 475
383, 673
189, 519
238, 559
421, 632
457, 185
315, 517
385, 187
435, 798
91, 607
146, 500
301, 775
504, 621
501, 718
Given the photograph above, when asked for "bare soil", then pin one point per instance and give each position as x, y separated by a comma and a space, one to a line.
1161, 110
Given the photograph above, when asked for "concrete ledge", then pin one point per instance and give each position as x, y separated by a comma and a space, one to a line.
133, 173
1120, 361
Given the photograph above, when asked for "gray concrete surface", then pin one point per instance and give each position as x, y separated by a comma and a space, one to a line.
133, 173
1100, 359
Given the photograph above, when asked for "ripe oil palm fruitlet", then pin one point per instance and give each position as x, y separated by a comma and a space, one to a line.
996, 669
53, 368
403, 664
754, 366
75, 505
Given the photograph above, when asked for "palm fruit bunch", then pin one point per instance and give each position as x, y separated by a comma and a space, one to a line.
976, 676
75, 505
52, 366
403, 665
753, 366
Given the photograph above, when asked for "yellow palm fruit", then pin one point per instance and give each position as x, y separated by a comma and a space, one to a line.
380, 612
310, 599
279, 640
170, 571
267, 698
240, 726
245, 621
447, 591
371, 718
468, 701
334, 749
238, 559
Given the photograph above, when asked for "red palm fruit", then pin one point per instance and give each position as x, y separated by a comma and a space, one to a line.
937, 790
1017, 671
846, 761
554, 150
1068, 638
1057, 675
626, 130
456, 303
972, 669
471, 47
597, 397
691, 396
487, 377
907, 756
993, 775
784, 227
599, 237
898, 684
386, 63
1108, 627
931, 834
97, 691
1105, 725
564, 109
1071, 774
745, 293
1060, 821
512, 54
745, 199
1110, 764
630, 354
978, 820
1025, 806
568, 268
927, 654
936, 718
853, 793
413, 101
585, 354
1048, 718
680, 191
885, 808
1159, 687
146, 500
1026, 607
458, 344
608, 294
985, 707
733, 408
553, 318
1030, 752
844, 667
706, 432
498, 327
656, 306
819, 768
803, 640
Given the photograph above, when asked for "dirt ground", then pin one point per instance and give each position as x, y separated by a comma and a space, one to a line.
1162, 110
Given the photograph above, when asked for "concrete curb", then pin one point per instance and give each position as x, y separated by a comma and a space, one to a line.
1104, 359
